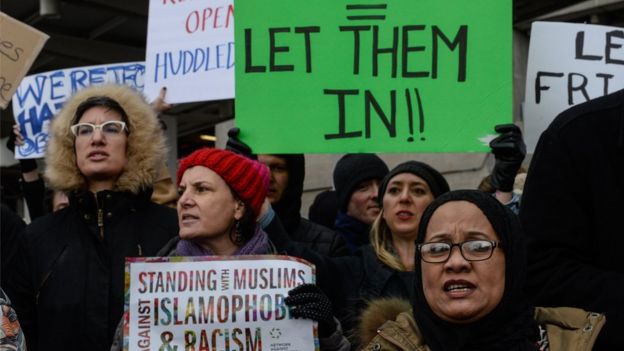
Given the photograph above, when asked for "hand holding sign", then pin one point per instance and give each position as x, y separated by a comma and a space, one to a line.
509, 151
310, 302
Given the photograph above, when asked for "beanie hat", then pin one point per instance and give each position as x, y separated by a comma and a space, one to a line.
248, 178
353, 169
434, 179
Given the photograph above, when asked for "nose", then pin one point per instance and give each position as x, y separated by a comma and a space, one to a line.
98, 135
375, 190
185, 200
456, 262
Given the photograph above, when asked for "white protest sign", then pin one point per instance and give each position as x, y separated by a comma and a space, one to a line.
190, 50
39, 97
568, 65
19, 46
215, 303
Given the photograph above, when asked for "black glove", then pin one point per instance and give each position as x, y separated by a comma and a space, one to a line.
509, 150
309, 302
235, 145
26, 165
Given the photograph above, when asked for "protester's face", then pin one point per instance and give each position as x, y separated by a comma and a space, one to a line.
59, 201
279, 176
458, 290
363, 204
406, 197
101, 157
207, 208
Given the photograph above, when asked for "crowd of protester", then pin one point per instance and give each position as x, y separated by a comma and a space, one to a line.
402, 261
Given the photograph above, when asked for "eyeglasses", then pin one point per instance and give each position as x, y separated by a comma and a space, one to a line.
471, 250
108, 128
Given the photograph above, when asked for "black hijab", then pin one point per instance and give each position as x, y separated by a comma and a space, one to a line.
510, 326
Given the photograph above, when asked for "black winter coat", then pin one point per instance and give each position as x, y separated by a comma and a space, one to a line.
349, 281
319, 238
68, 286
572, 209
315, 236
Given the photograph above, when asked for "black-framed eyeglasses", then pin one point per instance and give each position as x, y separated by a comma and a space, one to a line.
108, 128
471, 250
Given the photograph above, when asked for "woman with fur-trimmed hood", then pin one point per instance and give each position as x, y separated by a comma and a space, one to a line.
105, 148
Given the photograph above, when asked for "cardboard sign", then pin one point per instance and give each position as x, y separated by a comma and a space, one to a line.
215, 303
568, 65
394, 76
39, 97
190, 50
19, 46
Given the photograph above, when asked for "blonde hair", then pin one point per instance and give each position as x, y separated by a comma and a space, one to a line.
381, 240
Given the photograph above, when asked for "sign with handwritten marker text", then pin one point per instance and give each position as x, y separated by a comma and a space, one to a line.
215, 303
362, 76
190, 50
569, 64
19, 46
40, 96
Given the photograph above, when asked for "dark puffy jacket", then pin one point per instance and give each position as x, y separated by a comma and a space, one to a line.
68, 284
315, 236
572, 209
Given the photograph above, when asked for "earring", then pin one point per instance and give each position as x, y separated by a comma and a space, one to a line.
238, 235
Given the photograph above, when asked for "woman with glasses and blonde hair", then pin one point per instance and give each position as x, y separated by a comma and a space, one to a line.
104, 151
468, 294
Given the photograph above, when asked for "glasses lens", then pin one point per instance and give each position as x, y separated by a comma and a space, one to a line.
435, 252
83, 129
112, 127
477, 249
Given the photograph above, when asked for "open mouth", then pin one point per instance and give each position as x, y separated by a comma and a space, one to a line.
188, 218
404, 215
459, 286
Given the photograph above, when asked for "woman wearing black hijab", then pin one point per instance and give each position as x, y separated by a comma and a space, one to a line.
471, 298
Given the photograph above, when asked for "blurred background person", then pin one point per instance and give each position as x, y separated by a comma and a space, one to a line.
356, 180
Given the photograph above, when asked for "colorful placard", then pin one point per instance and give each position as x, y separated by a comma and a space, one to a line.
19, 46
40, 96
386, 76
215, 303
569, 64
190, 50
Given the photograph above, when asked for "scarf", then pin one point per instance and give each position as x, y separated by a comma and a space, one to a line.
510, 326
257, 245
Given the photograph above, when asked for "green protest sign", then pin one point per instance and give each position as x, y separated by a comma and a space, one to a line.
362, 76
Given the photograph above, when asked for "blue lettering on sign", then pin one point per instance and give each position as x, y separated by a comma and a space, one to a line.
185, 62
35, 91
97, 75
33, 120
56, 84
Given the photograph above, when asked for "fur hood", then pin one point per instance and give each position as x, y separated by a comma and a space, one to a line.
377, 313
145, 148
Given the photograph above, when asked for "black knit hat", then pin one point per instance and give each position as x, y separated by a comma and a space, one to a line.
353, 169
434, 179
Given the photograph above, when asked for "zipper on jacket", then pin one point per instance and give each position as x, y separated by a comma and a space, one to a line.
100, 217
